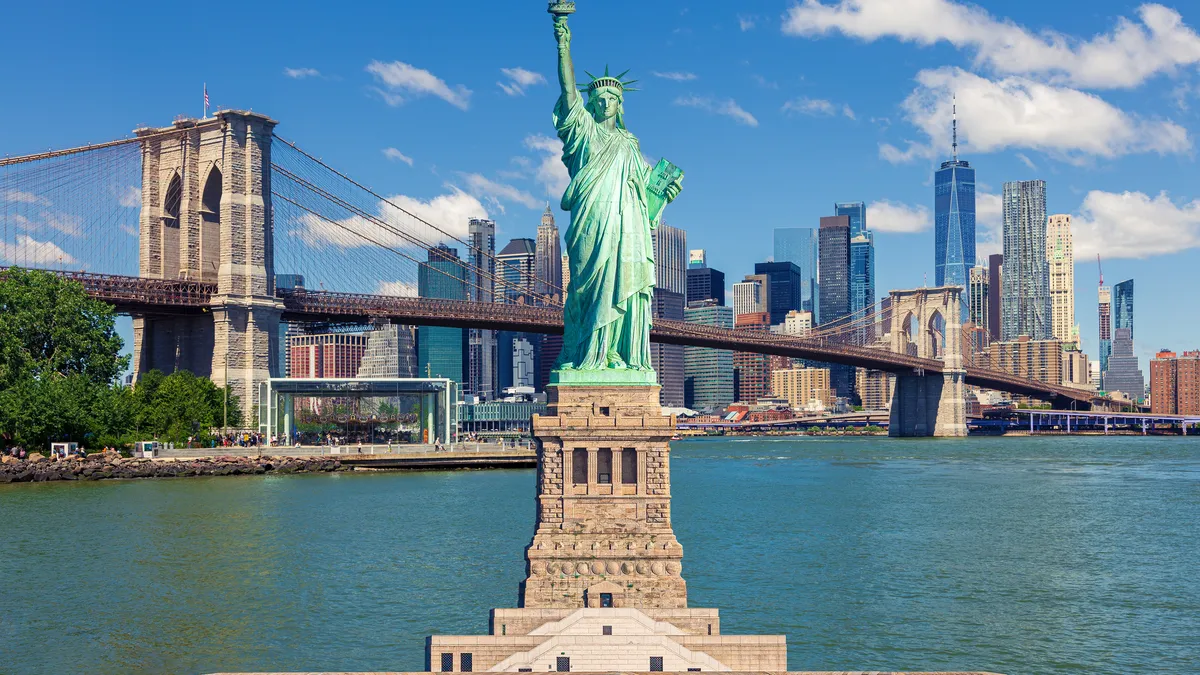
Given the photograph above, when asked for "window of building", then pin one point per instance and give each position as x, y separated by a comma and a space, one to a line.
466, 661
604, 466
579, 467
606, 600
447, 662
563, 664
629, 466
606, 630
656, 664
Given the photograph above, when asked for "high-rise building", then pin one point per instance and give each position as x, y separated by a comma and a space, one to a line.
978, 289
1075, 370
862, 274
799, 324
751, 296
1122, 308
517, 265
1060, 257
1105, 315
391, 352
708, 373
549, 269
1175, 383
804, 388
523, 374
333, 355
954, 222
801, 245
667, 360
566, 276
856, 212
995, 285
834, 286
875, 388
697, 257
483, 347
440, 350
1028, 358
1025, 297
1124, 374
670, 258
785, 288
704, 284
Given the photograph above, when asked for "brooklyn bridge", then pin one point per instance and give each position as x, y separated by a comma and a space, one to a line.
185, 228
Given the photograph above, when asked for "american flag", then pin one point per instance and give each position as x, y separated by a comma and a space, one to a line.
206, 99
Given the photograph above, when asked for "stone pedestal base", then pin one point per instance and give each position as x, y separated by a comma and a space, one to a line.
929, 405
604, 536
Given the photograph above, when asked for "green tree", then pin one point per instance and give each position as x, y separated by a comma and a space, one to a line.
173, 407
59, 354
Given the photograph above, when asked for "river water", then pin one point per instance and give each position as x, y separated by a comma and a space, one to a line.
1020, 556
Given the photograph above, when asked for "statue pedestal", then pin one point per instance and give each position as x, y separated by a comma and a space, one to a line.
604, 502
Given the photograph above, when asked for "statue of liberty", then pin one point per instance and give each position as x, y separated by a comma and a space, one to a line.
615, 200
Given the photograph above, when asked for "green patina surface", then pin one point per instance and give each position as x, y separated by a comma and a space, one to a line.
616, 199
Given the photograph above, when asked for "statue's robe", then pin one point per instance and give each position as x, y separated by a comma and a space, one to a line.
611, 255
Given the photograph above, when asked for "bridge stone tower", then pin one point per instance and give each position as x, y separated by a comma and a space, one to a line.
926, 322
207, 217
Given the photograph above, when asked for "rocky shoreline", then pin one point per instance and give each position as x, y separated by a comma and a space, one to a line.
98, 466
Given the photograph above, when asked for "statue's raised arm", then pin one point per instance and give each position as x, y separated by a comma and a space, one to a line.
566, 69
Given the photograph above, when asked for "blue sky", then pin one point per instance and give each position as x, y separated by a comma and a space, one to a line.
774, 109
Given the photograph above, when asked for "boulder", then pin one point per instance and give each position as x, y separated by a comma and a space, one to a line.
37, 457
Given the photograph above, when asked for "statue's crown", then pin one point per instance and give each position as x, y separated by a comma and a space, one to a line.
607, 80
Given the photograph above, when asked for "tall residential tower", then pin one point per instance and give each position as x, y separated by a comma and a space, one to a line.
1025, 296
1060, 256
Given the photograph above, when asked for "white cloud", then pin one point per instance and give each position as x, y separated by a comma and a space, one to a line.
1016, 112
809, 106
518, 80
67, 224
131, 230
848, 112
397, 156
989, 225
498, 193
676, 76
28, 251
131, 197
1126, 56
551, 172
404, 81
301, 73
1134, 225
727, 107
403, 289
25, 198
887, 216
449, 212
1026, 161
747, 22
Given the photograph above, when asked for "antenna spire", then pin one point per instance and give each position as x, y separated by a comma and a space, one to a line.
954, 123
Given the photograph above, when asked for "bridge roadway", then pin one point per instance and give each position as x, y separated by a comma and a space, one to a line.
137, 295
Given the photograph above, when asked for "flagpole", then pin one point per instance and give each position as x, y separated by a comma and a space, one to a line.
205, 101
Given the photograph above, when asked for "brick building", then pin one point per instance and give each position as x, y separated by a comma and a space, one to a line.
1175, 383
752, 372
319, 356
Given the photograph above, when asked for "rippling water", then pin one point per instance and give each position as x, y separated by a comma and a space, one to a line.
1020, 556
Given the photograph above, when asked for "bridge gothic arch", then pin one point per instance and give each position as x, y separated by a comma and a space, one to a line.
210, 223
927, 321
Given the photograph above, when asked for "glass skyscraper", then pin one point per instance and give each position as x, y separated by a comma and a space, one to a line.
440, 350
800, 245
954, 226
1025, 297
862, 257
1122, 307
786, 288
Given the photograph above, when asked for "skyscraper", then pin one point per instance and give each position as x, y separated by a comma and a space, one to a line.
697, 257
1025, 298
670, 258
995, 284
517, 268
862, 273
704, 284
708, 373
856, 212
751, 296
549, 258
1122, 311
1123, 373
801, 246
667, 360
954, 221
483, 347
1060, 257
440, 350
1175, 383
391, 352
834, 286
786, 287
978, 289
1105, 315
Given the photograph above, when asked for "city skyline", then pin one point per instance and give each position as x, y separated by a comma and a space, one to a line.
861, 131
